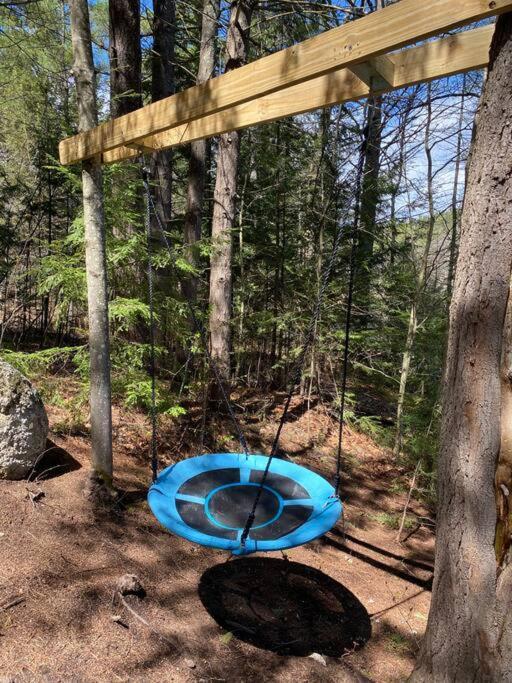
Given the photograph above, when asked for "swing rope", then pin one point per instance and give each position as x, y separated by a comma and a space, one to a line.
152, 359
310, 337
299, 365
348, 320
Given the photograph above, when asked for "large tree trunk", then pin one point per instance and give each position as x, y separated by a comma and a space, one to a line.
162, 85
199, 149
224, 206
125, 56
468, 633
95, 253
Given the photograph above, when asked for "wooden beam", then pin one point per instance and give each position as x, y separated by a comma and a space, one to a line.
457, 54
377, 73
142, 147
357, 41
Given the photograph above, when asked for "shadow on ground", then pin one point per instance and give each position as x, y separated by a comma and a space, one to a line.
284, 607
54, 462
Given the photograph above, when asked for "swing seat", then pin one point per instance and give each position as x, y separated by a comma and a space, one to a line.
207, 499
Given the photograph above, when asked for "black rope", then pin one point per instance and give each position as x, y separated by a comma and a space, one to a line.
152, 363
296, 375
299, 365
310, 337
348, 316
196, 323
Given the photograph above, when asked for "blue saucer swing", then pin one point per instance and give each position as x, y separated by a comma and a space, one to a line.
243, 502
207, 499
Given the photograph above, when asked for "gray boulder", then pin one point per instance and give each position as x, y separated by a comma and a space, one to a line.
23, 424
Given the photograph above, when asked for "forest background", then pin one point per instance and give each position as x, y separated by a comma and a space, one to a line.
406, 152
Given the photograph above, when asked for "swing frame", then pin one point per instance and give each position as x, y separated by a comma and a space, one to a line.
350, 62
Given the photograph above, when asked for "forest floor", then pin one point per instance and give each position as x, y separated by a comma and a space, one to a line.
60, 561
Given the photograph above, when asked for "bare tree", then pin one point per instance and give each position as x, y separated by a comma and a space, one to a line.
95, 251
421, 280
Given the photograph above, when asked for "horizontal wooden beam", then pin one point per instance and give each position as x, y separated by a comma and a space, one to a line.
395, 26
457, 54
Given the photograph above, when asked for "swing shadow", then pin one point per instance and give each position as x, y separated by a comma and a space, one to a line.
285, 607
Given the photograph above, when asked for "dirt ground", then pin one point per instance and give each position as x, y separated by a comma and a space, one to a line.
349, 607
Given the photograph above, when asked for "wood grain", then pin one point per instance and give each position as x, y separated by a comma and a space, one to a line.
357, 41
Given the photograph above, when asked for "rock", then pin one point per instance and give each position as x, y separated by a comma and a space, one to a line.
23, 424
129, 584
190, 663
318, 658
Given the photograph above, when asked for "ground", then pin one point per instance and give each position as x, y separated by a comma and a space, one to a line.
275, 619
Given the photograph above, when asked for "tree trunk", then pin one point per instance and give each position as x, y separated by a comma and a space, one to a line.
95, 253
162, 85
469, 628
126, 81
421, 283
369, 203
504, 469
125, 56
224, 207
369, 200
404, 374
199, 148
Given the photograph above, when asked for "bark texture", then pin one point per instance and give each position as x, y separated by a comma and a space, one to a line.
468, 633
225, 204
199, 148
95, 252
369, 203
162, 85
125, 56
370, 196
504, 469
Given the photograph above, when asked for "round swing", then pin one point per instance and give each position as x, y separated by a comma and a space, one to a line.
207, 499
243, 502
